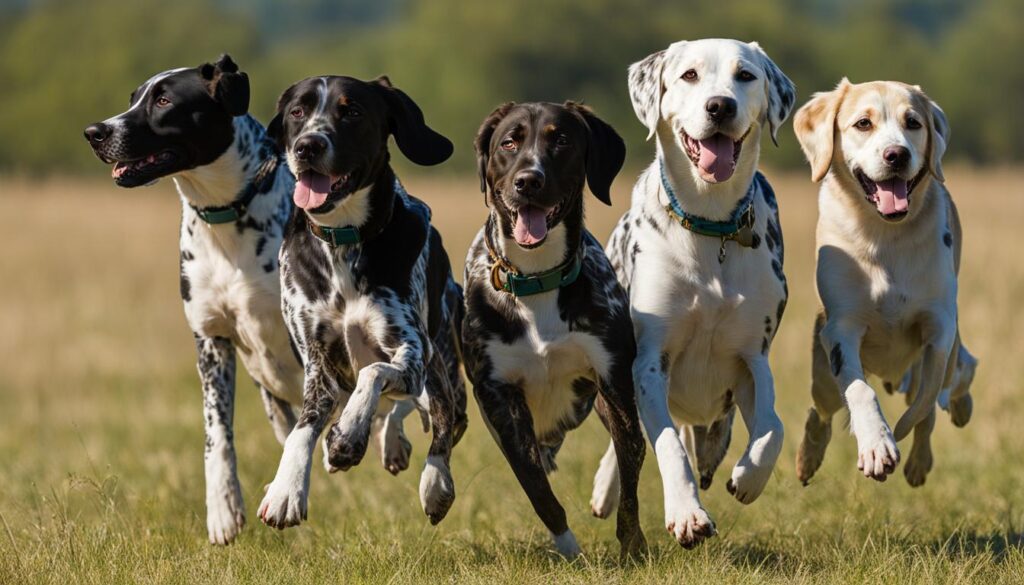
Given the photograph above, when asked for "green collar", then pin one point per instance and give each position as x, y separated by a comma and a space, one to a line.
237, 209
739, 227
518, 284
335, 236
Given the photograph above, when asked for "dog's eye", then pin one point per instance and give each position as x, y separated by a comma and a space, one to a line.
864, 124
296, 113
913, 124
745, 76
162, 102
508, 144
690, 75
562, 140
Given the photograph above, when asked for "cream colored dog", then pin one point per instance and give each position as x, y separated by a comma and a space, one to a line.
888, 242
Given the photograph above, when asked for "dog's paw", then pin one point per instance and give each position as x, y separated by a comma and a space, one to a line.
284, 504
917, 465
605, 496
566, 545
344, 451
811, 452
633, 546
437, 489
225, 514
960, 410
689, 525
754, 468
879, 457
395, 449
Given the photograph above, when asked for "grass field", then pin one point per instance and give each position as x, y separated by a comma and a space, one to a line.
101, 431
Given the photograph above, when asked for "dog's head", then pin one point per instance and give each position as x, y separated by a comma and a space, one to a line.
334, 132
534, 160
881, 138
711, 94
177, 120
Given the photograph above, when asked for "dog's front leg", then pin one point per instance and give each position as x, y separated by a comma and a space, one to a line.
402, 377
685, 518
225, 511
285, 503
877, 454
756, 400
936, 369
508, 418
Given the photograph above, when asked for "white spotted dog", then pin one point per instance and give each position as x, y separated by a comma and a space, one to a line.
547, 332
367, 289
191, 125
888, 243
700, 253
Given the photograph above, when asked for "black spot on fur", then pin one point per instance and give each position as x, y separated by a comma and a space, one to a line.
835, 357
269, 266
755, 241
947, 238
764, 345
778, 270
260, 245
664, 362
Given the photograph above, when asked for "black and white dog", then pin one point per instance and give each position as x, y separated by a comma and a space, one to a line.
547, 330
701, 252
367, 289
191, 124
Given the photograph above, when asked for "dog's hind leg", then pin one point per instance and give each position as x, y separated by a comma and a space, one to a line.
827, 402
279, 412
389, 429
957, 394
920, 460
437, 488
225, 511
712, 442
605, 496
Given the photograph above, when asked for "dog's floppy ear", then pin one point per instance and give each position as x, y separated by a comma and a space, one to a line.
646, 88
939, 138
482, 142
417, 141
815, 125
275, 129
605, 152
780, 91
227, 84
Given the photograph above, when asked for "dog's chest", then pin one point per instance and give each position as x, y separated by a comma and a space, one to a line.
231, 290
547, 360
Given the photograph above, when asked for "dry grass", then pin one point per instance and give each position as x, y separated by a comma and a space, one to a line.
101, 433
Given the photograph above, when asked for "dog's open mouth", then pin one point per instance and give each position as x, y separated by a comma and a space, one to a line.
531, 223
715, 156
313, 188
891, 196
142, 170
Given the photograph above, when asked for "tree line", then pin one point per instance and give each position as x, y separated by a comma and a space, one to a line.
66, 63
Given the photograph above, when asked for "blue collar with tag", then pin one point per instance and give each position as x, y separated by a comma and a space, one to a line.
518, 284
237, 209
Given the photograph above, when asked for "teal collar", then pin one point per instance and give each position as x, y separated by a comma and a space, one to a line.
738, 227
237, 209
518, 284
335, 236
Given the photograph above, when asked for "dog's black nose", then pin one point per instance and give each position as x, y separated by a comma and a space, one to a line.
896, 157
529, 181
721, 108
97, 133
310, 147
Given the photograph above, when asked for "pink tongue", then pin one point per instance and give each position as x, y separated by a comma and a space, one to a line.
311, 190
531, 225
892, 196
716, 158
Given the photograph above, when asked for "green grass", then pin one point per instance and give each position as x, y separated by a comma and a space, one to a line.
101, 434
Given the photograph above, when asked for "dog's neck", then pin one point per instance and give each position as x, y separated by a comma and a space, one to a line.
697, 196
220, 182
562, 242
368, 208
